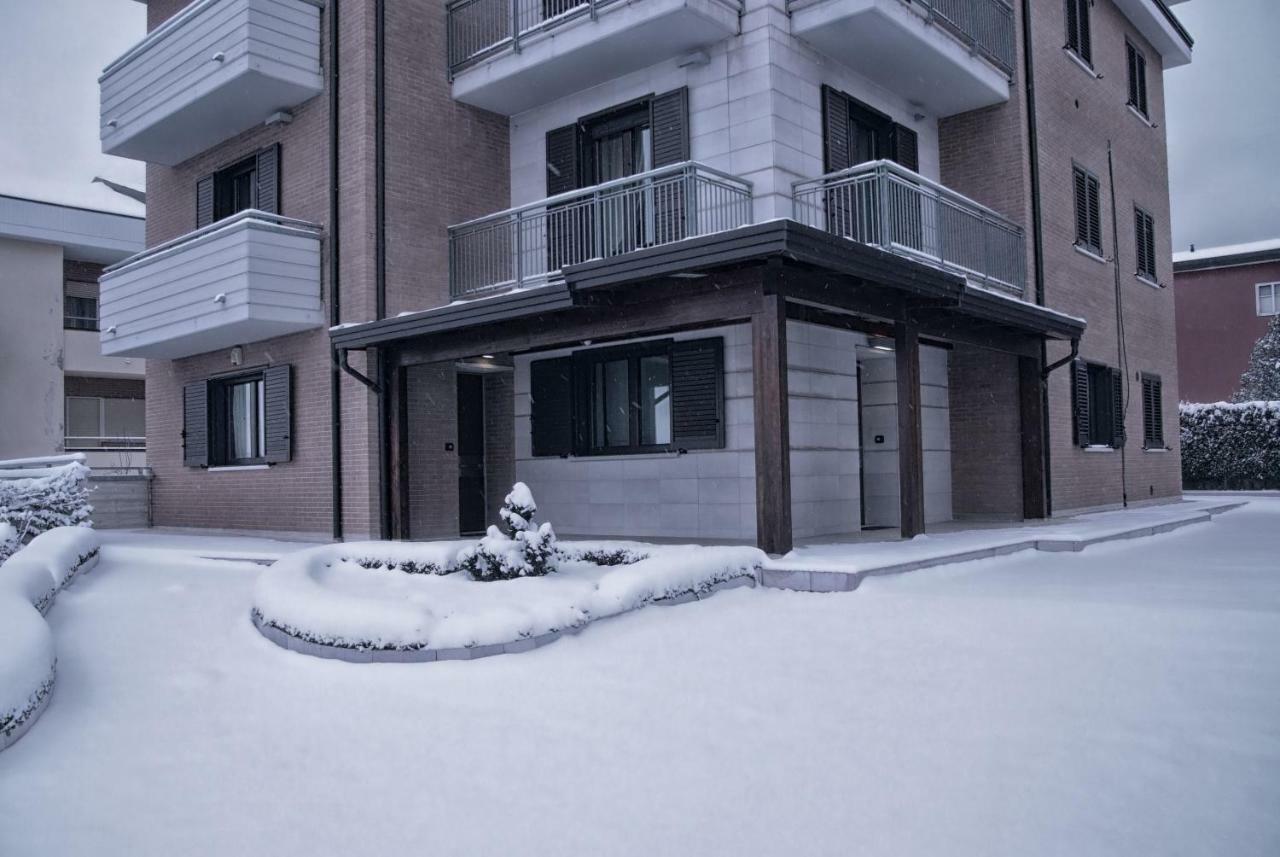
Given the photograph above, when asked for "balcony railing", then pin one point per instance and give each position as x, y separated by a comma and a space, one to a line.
529, 245
985, 26
885, 205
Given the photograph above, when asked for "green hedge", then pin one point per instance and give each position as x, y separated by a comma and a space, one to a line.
1231, 445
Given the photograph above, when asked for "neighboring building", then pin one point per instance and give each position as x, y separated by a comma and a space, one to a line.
712, 269
57, 392
1226, 297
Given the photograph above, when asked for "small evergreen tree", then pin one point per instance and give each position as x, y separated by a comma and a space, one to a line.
1261, 380
523, 550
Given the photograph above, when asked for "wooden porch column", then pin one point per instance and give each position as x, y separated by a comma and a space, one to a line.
397, 438
906, 341
773, 432
1035, 499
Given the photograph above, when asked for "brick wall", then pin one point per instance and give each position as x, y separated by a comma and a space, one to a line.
986, 434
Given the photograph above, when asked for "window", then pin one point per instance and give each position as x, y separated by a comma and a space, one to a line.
79, 313
1078, 40
235, 188
1152, 412
1137, 78
1144, 236
1098, 405
97, 422
658, 396
1088, 210
1268, 298
253, 182
239, 407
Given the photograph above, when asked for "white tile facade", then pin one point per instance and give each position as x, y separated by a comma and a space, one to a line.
755, 111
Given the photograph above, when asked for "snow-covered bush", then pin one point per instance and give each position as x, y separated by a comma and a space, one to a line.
8, 540
1230, 445
604, 555
523, 550
50, 497
1261, 379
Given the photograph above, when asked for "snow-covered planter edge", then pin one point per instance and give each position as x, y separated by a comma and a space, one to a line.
1230, 445
29, 582
293, 609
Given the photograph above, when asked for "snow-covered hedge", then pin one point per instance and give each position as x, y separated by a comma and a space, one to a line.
320, 595
29, 580
1230, 445
36, 499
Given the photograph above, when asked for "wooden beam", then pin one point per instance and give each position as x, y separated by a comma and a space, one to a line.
772, 424
1035, 500
397, 394
906, 341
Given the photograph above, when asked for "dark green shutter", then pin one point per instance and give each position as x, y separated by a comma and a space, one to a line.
669, 125
551, 406
277, 393
562, 160
195, 424
204, 201
1117, 409
697, 394
1080, 401
835, 130
905, 146
268, 176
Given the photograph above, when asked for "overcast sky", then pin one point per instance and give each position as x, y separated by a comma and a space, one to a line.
1223, 111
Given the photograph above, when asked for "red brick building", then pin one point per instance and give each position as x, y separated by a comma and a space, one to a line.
722, 269
1225, 298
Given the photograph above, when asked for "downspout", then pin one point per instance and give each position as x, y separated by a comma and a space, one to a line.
335, 315
1037, 241
380, 256
1122, 353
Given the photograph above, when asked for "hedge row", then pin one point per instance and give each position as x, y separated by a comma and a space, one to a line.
1231, 445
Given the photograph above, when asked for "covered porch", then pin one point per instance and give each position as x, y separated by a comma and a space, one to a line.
845, 390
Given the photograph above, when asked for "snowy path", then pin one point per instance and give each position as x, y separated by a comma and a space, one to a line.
1125, 700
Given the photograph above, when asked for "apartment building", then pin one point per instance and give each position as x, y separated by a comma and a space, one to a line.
59, 393
702, 269
1226, 298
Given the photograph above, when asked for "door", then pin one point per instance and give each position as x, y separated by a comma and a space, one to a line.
471, 499
622, 146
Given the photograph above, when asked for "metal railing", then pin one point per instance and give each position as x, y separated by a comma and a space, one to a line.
984, 26
886, 205
478, 28
84, 443
530, 244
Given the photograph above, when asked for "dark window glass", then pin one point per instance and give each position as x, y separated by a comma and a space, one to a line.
628, 398
79, 313
235, 188
239, 406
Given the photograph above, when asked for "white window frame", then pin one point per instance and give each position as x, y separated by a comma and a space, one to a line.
1274, 289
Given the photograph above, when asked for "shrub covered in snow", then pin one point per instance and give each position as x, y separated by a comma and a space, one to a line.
8, 540
1231, 445
47, 498
1261, 379
604, 554
523, 550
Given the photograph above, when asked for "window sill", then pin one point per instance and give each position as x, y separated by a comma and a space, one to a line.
1146, 120
1092, 255
1147, 282
1080, 61
1155, 449
1099, 448
222, 468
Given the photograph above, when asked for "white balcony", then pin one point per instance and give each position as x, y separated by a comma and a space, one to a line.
949, 56
510, 55
250, 277
217, 68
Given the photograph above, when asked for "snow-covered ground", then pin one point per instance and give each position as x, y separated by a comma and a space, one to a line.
1123, 700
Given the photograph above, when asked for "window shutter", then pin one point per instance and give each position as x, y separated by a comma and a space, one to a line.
195, 424
697, 394
562, 160
835, 130
1080, 401
551, 406
1151, 244
1131, 56
905, 146
669, 124
1095, 214
1140, 240
204, 201
277, 393
1085, 41
1142, 84
1117, 409
1080, 183
1157, 412
268, 171
1073, 25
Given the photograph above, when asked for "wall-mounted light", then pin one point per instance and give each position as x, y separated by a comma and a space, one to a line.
237, 356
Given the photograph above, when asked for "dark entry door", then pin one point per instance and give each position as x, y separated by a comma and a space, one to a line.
471, 505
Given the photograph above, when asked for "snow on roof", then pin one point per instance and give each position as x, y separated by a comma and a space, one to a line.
1226, 250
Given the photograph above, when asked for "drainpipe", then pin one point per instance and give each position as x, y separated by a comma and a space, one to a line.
335, 315
380, 256
1037, 239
